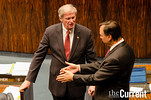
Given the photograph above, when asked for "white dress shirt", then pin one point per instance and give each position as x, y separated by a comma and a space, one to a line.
71, 35
116, 44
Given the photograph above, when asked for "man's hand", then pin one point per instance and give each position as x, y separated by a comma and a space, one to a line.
91, 90
73, 68
66, 77
26, 84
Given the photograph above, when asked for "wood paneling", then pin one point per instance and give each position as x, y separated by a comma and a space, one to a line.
23, 22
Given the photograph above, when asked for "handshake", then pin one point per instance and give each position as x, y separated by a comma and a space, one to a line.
66, 74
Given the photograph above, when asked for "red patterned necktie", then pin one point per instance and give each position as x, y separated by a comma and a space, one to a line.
67, 45
107, 52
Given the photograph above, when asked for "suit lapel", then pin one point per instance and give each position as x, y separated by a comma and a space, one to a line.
59, 37
76, 39
115, 48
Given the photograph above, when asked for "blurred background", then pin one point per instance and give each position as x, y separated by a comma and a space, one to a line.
23, 22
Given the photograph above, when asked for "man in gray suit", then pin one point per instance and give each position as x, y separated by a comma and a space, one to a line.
67, 41
111, 76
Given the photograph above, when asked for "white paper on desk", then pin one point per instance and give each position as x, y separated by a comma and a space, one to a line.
21, 68
136, 89
5, 68
14, 90
150, 86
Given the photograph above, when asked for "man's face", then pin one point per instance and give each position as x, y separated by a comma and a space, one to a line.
105, 39
68, 20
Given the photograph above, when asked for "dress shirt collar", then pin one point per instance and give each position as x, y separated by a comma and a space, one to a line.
116, 44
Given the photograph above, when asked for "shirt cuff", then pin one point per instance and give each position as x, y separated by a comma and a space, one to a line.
79, 68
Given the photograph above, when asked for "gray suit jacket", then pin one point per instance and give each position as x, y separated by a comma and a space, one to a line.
109, 75
82, 49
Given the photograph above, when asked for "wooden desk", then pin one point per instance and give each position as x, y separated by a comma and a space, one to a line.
148, 67
148, 72
148, 98
3, 87
7, 80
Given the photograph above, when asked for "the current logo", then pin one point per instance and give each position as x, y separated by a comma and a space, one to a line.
125, 94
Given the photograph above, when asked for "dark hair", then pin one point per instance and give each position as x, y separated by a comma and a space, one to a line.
112, 28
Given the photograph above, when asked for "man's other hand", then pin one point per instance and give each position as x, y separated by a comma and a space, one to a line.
26, 84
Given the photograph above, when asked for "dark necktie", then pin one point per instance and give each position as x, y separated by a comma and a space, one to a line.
107, 52
67, 45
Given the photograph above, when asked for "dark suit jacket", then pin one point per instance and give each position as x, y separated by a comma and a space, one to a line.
109, 75
82, 49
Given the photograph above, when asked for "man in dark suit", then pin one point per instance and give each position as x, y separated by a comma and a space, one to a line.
111, 76
68, 41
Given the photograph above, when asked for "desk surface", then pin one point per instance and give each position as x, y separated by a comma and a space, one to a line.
143, 98
2, 87
148, 69
8, 80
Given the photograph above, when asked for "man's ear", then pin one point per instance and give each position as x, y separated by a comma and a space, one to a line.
60, 19
110, 37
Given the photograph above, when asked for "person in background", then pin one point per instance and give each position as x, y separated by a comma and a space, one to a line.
112, 74
67, 41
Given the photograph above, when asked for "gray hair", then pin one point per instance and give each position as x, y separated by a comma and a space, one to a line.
68, 8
